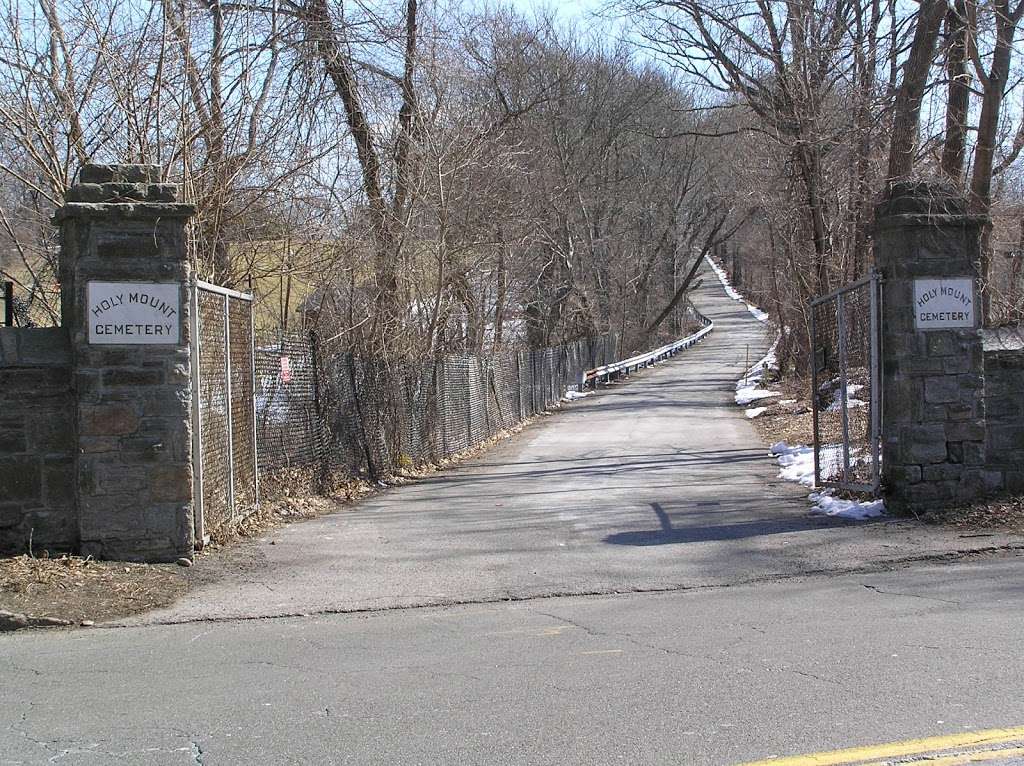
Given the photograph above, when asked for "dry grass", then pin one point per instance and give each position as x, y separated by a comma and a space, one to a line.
81, 589
1005, 513
791, 422
294, 498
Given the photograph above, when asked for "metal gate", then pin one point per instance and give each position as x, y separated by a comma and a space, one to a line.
846, 386
226, 486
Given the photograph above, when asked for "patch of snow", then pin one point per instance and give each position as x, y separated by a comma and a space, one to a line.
797, 465
571, 396
758, 314
754, 412
787, 401
748, 387
837, 399
724, 279
827, 505
745, 396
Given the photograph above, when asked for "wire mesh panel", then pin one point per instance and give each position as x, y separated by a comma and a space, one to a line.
475, 396
224, 425
527, 403
342, 413
846, 387
375, 392
212, 408
455, 401
243, 425
291, 430
504, 391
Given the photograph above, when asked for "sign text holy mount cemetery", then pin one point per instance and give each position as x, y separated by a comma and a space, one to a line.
941, 304
134, 313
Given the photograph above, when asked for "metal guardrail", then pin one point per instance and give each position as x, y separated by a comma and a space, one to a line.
648, 358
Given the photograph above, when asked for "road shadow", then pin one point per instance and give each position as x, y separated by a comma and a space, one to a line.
668, 534
558, 474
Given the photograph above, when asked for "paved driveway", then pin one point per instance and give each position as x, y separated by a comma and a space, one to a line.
658, 483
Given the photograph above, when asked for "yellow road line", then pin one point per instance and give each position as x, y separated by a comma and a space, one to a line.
978, 756
895, 749
554, 630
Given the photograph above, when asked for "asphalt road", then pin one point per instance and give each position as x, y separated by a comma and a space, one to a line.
711, 676
659, 483
763, 631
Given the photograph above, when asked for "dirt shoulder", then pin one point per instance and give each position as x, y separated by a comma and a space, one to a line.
77, 591
74, 590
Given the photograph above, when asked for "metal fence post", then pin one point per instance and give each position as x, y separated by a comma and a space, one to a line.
876, 381
519, 387
442, 411
469, 407
229, 414
252, 369
814, 400
844, 383
198, 521
9, 304
485, 375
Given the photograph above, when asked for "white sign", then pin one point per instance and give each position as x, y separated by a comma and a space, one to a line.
943, 303
134, 312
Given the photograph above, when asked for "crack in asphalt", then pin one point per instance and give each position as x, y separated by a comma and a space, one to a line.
24, 669
727, 662
16, 728
876, 568
805, 674
60, 750
876, 589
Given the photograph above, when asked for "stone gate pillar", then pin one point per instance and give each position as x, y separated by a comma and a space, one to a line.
933, 435
124, 273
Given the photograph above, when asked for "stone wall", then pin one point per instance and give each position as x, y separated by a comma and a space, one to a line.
953, 397
933, 429
37, 442
1004, 405
95, 433
134, 462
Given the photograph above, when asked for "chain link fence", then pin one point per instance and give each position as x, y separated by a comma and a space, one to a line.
368, 418
290, 424
224, 426
846, 387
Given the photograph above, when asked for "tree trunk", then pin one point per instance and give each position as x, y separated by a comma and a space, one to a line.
988, 126
958, 94
907, 114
